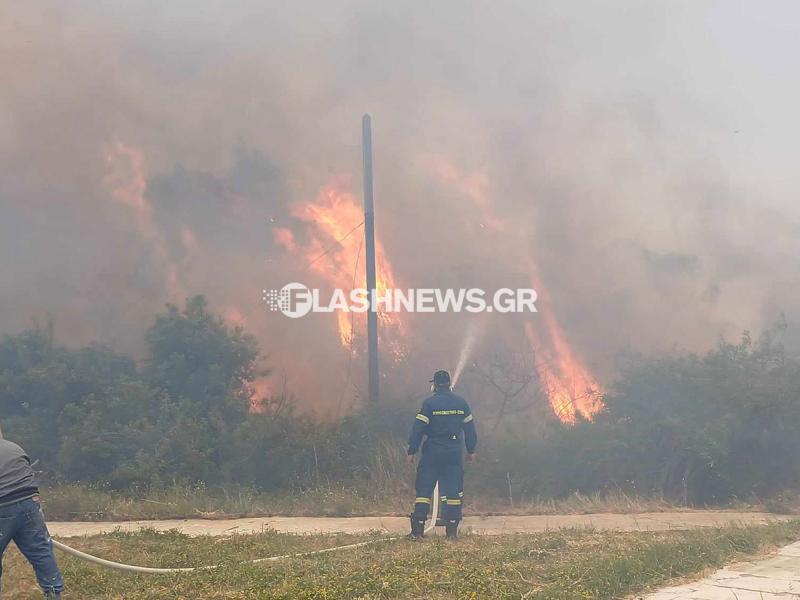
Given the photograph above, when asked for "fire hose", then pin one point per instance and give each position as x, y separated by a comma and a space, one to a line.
161, 571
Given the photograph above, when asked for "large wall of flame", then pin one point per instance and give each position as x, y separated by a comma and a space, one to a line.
633, 157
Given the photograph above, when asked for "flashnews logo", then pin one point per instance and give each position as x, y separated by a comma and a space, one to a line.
296, 300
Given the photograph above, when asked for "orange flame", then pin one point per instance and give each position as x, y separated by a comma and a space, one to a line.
570, 388
260, 390
126, 179
336, 253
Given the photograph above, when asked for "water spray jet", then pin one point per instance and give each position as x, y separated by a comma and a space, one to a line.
474, 330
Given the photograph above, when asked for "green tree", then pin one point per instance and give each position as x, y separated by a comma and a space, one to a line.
39, 381
201, 362
205, 368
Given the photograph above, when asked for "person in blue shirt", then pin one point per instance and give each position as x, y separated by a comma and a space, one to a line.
446, 423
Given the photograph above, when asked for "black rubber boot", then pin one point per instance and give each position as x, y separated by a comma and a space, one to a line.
451, 529
417, 528
52, 595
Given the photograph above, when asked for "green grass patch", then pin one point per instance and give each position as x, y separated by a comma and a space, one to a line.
559, 565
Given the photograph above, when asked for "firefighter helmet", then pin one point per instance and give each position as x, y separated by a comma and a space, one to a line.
441, 379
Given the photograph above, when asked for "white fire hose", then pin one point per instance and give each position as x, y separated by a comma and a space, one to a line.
160, 571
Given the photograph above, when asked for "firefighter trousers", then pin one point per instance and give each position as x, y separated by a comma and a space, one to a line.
449, 472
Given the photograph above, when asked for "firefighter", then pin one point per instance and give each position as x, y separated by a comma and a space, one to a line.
445, 420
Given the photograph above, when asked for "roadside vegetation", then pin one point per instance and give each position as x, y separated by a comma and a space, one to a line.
73, 502
181, 433
566, 564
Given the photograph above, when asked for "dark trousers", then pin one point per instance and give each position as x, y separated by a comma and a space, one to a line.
449, 472
23, 522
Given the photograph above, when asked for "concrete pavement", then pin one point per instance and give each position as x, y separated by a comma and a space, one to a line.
776, 577
489, 525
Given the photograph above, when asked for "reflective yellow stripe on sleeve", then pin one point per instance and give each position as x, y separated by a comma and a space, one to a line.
423, 418
423, 500
468, 418
453, 502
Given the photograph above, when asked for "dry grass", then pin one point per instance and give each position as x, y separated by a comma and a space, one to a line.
83, 503
564, 565
575, 504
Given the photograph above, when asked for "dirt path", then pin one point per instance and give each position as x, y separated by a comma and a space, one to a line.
773, 578
492, 525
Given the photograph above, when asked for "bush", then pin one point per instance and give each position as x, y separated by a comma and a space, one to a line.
686, 428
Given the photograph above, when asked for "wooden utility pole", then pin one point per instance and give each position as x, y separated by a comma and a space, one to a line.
369, 240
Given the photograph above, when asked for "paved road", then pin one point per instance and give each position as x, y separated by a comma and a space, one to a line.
492, 525
773, 578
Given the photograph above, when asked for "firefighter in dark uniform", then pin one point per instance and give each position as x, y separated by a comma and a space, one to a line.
445, 420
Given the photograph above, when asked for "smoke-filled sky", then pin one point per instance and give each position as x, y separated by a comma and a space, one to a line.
636, 158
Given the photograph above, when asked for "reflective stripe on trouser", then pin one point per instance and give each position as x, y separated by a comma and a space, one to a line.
452, 509
450, 475
421, 505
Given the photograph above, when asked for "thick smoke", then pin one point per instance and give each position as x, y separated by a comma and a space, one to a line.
629, 157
